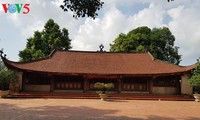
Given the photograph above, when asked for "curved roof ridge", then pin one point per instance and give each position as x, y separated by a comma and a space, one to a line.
166, 62
55, 51
30, 61
104, 52
190, 67
187, 68
90, 62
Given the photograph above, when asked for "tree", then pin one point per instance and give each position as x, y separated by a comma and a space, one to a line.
194, 80
44, 42
158, 41
81, 8
2, 66
162, 45
6, 77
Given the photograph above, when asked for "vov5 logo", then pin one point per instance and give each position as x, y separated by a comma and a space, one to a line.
19, 8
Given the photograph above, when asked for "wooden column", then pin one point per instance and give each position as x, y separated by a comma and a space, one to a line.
85, 84
178, 85
119, 84
148, 84
52, 84
151, 80
23, 82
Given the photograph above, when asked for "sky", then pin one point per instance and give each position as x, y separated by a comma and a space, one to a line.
117, 16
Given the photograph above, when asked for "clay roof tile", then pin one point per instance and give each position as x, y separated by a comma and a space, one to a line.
78, 62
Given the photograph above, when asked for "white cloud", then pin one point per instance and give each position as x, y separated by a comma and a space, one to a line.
151, 17
88, 34
1, 9
100, 31
40, 12
25, 25
92, 33
185, 25
57, 2
29, 30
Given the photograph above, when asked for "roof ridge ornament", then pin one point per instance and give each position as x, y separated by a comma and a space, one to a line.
1, 53
198, 60
101, 46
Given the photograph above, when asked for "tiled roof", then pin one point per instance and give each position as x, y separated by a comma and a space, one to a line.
77, 62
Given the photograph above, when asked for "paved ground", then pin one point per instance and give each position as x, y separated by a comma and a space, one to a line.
83, 109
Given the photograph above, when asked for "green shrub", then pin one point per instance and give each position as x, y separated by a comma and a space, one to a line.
6, 77
102, 88
194, 80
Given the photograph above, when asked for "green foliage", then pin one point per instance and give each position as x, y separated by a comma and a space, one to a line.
194, 80
2, 66
196, 71
158, 41
6, 77
81, 8
103, 87
44, 42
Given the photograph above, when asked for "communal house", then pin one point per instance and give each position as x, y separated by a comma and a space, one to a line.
78, 71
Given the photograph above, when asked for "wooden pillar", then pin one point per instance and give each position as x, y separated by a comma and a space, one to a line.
151, 80
119, 84
23, 82
52, 84
148, 84
85, 84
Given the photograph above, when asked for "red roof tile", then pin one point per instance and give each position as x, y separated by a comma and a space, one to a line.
74, 62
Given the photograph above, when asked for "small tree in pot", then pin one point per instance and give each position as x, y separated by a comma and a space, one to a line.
103, 88
194, 82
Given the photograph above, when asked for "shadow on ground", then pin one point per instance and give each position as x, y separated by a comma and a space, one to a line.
14, 112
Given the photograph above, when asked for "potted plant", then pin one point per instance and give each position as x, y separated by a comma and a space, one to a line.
194, 81
6, 77
102, 89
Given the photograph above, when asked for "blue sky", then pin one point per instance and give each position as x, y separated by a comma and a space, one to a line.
117, 16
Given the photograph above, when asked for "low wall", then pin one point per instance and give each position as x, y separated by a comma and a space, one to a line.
37, 88
164, 90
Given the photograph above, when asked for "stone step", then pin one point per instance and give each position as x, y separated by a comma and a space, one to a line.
96, 96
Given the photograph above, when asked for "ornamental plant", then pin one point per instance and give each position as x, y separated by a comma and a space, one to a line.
194, 80
102, 88
6, 77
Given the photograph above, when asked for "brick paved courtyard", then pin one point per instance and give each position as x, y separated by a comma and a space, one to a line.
93, 109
